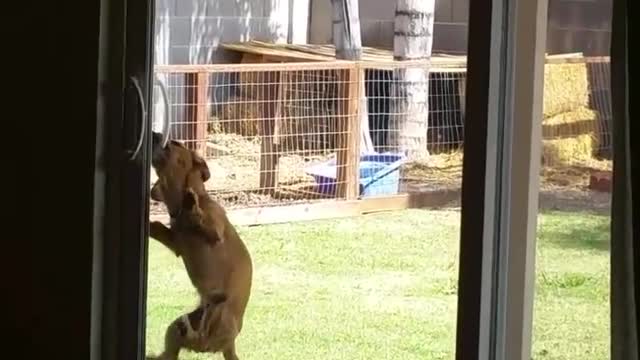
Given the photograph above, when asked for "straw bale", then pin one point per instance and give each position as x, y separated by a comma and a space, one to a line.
566, 151
572, 123
566, 88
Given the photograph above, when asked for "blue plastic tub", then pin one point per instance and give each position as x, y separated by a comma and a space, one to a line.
379, 174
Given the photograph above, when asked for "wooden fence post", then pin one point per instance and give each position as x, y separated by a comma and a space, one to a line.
348, 44
269, 151
348, 154
194, 131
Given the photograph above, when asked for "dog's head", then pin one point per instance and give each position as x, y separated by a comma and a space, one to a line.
177, 168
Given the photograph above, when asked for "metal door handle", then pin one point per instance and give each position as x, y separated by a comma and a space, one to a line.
167, 120
143, 113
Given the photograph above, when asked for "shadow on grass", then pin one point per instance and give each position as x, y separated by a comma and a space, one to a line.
575, 231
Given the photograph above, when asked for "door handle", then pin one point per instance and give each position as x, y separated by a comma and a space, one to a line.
167, 116
143, 121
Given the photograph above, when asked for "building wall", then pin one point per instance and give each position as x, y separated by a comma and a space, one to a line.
376, 19
574, 25
579, 26
189, 31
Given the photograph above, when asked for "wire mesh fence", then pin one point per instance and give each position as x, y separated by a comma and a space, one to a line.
266, 129
442, 113
297, 132
434, 98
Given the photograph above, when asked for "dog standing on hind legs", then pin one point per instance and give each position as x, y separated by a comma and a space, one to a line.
216, 259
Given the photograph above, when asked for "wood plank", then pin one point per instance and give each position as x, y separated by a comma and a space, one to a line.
462, 92
194, 131
292, 213
202, 113
269, 151
251, 58
335, 209
287, 213
227, 68
277, 127
347, 172
326, 52
412, 200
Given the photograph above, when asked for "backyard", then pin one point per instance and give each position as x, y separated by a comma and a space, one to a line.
384, 286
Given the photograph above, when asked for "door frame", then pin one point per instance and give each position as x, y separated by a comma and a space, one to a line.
500, 188
121, 191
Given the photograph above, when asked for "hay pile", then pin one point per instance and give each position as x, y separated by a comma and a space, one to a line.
569, 137
239, 115
304, 111
569, 127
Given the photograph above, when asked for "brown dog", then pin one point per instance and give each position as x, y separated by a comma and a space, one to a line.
215, 257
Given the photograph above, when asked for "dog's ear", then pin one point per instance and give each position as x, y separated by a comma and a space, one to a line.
201, 165
190, 200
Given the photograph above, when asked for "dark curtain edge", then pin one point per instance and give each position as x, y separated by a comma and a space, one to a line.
624, 240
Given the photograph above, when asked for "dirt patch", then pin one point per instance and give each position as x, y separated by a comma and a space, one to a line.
562, 188
441, 171
239, 168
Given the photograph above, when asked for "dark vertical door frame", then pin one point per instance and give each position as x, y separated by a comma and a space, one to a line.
625, 228
121, 209
507, 40
480, 202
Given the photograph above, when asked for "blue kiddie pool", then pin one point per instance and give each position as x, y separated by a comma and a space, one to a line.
379, 174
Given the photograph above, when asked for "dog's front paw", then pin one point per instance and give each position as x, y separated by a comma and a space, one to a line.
156, 192
157, 229
156, 224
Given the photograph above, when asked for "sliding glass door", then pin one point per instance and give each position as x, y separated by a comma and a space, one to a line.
499, 191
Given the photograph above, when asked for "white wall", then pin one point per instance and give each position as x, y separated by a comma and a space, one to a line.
376, 21
189, 31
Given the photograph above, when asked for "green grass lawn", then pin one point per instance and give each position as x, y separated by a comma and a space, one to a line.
384, 287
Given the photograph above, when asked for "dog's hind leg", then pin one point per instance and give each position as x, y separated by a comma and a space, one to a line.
229, 352
182, 335
172, 342
229, 327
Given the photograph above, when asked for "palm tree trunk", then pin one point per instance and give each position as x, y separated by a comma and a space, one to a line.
413, 39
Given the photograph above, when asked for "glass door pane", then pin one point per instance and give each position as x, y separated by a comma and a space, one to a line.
571, 317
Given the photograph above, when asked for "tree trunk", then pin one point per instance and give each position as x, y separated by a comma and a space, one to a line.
346, 39
413, 39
